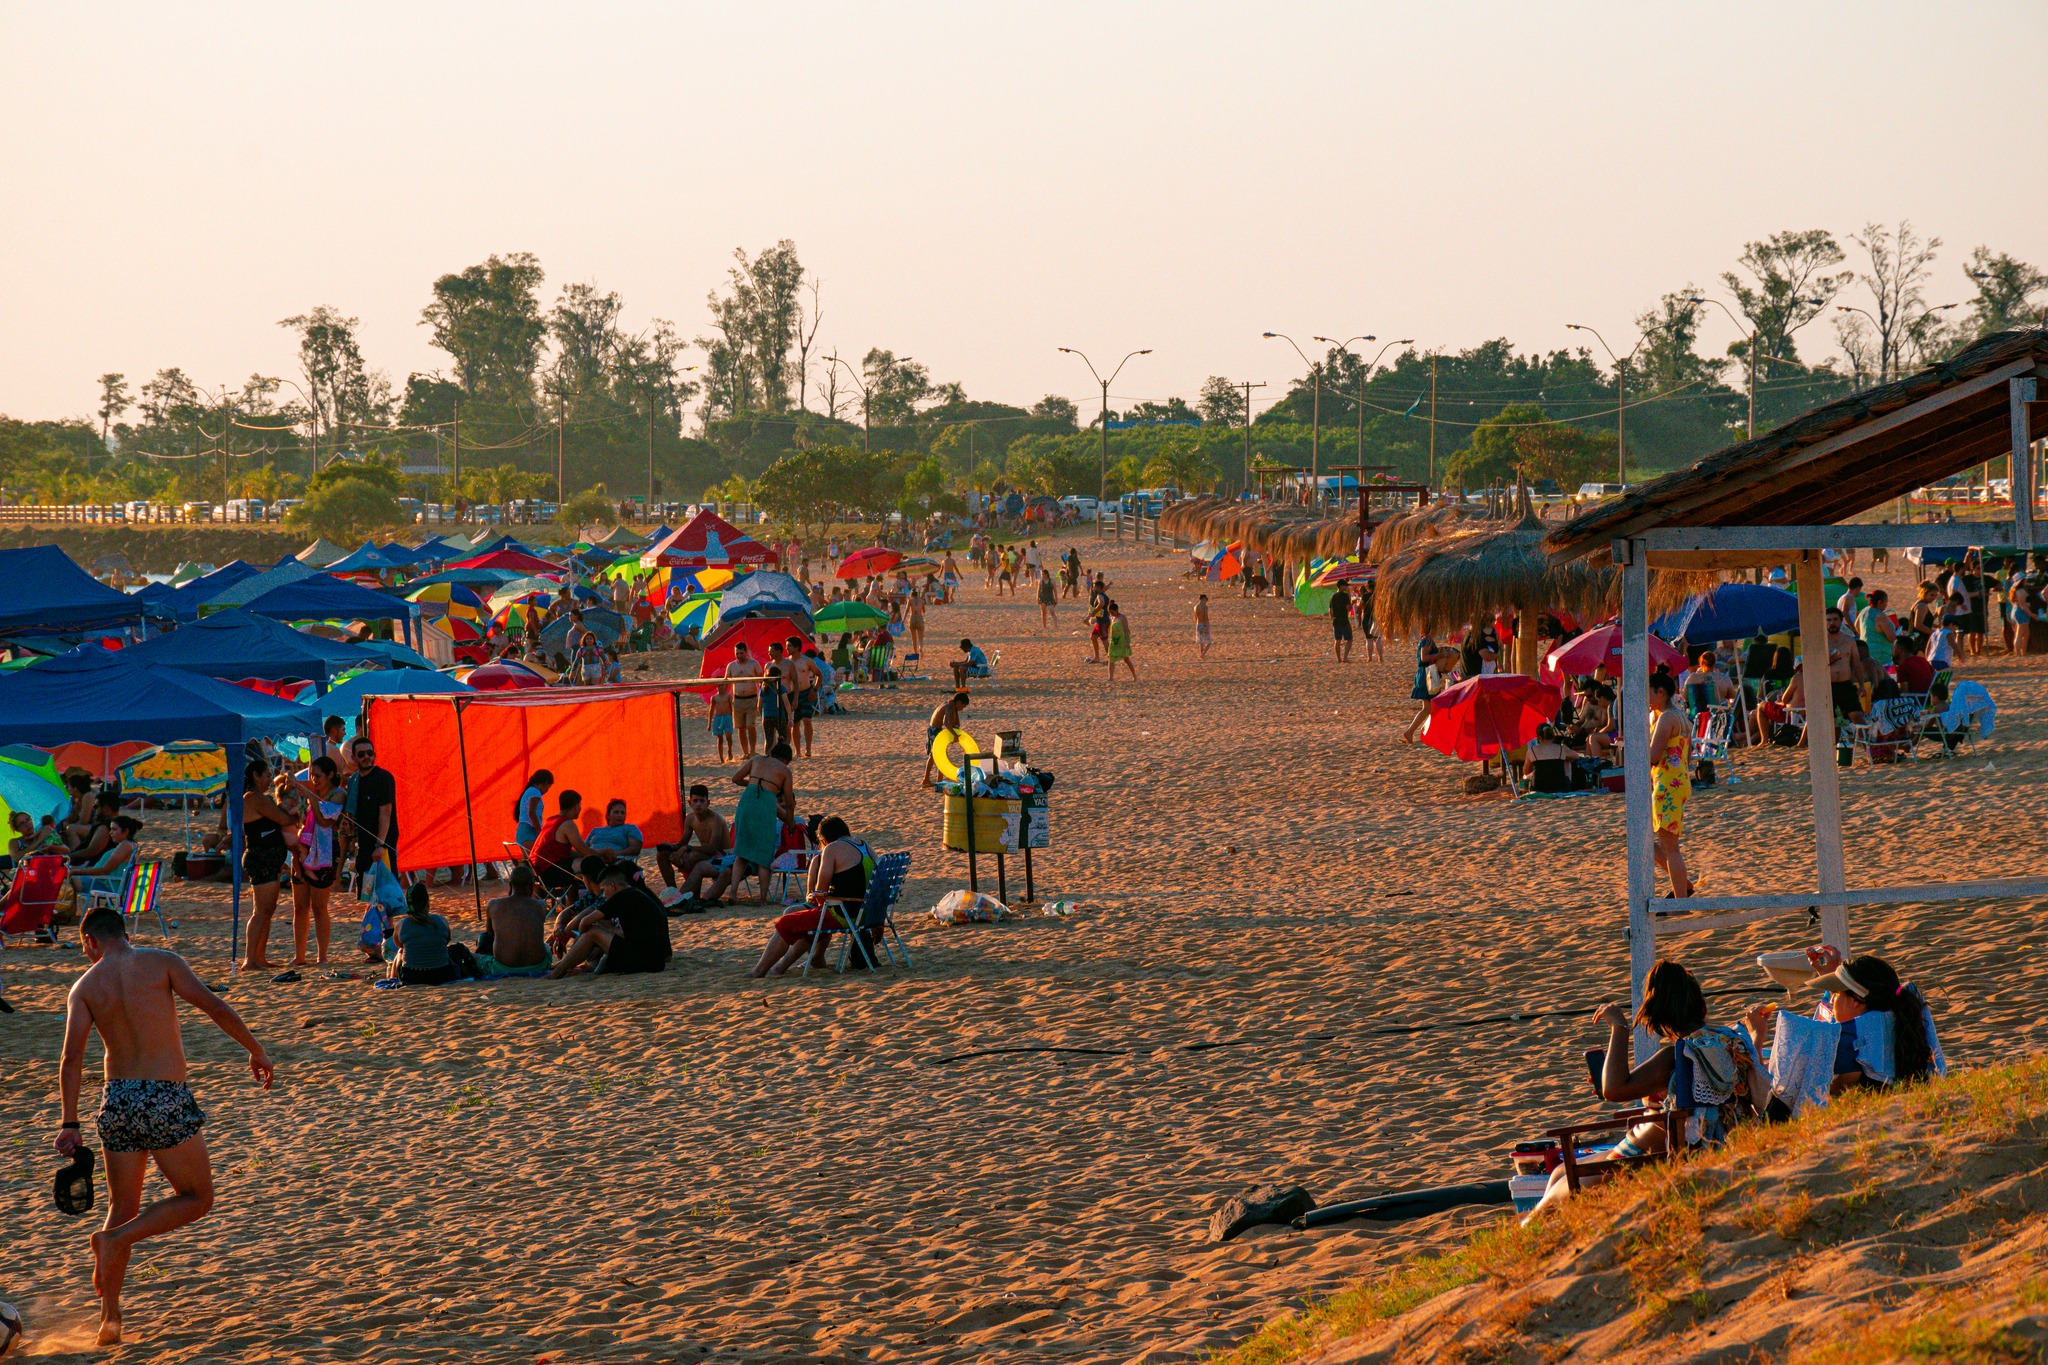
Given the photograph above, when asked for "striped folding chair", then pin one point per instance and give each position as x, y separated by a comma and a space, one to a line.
137, 897
876, 925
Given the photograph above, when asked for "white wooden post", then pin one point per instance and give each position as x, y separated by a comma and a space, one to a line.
2021, 393
1820, 746
1635, 732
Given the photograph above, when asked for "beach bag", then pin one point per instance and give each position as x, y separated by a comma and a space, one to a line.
465, 961
1703, 773
1481, 783
376, 928
1785, 735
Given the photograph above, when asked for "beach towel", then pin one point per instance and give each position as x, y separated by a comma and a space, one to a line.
757, 831
1872, 1036
1967, 699
1803, 1059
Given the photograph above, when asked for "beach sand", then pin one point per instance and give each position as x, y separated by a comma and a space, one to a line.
700, 1166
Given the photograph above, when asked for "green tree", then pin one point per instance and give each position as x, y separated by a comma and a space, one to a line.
758, 323
1172, 410
1523, 439
346, 509
377, 470
343, 392
2006, 287
113, 401
488, 319
1903, 329
1792, 281
1183, 467
1057, 409
1220, 402
583, 328
895, 387
592, 506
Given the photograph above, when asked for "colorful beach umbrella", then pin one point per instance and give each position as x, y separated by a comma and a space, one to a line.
698, 612
186, 768
30, 783
837, 618
1346, 571
869, 562
1488, 715
460, 601
1578, 657
505, 675
917, 564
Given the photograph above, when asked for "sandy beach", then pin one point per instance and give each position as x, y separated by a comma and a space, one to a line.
698, 1166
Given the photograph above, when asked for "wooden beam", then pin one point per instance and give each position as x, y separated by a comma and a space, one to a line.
2020, 401
1713, 561
1989, 888
1820, 747
1874, 536
1665, 513
1635, 729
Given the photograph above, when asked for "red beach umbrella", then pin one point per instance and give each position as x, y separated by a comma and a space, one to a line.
869, 562
1485, 716
1602, 645
506, 675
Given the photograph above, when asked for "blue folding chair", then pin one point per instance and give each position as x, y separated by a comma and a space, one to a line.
876, 924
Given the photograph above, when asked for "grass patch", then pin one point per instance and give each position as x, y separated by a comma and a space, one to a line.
1658, 1215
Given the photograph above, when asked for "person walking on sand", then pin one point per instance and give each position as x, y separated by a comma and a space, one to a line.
1048, 602
1120, 642
129, 996
746, 672
1202, 626
1340, 622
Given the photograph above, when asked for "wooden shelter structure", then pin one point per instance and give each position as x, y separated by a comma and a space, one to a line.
1777, 499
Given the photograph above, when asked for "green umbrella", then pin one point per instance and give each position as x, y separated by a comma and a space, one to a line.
836, 618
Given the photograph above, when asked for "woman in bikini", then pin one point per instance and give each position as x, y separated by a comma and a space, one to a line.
265, 849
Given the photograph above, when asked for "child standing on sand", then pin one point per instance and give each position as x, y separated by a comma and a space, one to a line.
1120, 642
719, 704
1202, 625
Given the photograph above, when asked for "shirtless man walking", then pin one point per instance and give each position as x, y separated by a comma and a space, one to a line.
1202, 639
130, 997
745, 672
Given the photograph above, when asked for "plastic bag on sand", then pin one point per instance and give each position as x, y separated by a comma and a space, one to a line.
969, 907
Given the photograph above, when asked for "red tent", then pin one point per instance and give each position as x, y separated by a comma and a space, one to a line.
509, 559
758, 632
709, 541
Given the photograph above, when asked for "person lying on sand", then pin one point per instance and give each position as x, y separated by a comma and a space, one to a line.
1695, 1058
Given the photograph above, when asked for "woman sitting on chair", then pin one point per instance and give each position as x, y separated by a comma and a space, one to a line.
1695, 1061
838, 878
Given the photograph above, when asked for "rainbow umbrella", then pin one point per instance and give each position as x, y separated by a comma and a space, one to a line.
505, 675
698, 611
523, 589
461, 602
918, 564
1345, 571
705, 580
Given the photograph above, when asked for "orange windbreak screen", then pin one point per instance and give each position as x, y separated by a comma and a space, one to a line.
603, 747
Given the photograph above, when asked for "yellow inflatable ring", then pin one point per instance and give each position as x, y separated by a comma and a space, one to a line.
943, 741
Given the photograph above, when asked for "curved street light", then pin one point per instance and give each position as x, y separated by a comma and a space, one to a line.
1102, 476
1364, 373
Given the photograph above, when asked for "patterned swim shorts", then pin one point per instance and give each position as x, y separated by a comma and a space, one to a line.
148, 1116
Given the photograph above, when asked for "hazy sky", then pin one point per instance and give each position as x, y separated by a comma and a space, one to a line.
976, 184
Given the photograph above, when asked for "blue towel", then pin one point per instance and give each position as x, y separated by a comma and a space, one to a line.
1873, 1039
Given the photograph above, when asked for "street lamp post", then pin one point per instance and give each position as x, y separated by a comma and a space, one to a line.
1753, 355
866, 415
1315, 431
1102, 476
1363, 374
1621, 364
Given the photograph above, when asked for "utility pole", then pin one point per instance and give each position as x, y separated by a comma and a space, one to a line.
649, 508
1315, 437
1432, 421
1102, 472
1248, 386
1620, 417
456, 446
559, 499
227, 426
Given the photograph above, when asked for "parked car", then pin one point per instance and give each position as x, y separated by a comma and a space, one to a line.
1083, 507
1601, 490
242, 509
196, 511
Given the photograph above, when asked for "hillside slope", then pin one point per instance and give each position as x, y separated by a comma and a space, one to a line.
1908, 1226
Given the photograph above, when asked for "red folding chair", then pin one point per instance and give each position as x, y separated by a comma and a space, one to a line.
30, 906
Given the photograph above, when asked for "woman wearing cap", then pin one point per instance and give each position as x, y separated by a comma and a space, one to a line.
1901, 1049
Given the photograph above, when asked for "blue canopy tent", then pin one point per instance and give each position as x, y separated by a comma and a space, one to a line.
764, 592
395, 655
1730, 611
188, 599
323, 597
369, 557
48, 593
347, 699
96, 696
436, 549
240, 644
504, 542
286, 570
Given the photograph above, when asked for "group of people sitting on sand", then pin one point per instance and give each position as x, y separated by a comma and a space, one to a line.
97, 841
1870, 1030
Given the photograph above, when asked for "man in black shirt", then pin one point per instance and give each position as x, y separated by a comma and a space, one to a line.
629, 931
1340, 622
372, 807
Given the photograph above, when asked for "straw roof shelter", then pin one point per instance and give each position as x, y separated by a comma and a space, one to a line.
1779, 498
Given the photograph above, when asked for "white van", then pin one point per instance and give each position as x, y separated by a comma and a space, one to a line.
1589, 492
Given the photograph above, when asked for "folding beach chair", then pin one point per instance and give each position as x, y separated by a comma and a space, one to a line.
876, 924
137, 896
1577, 1167
29, 909
1713, 736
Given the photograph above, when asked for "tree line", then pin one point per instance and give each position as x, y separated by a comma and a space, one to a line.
534, 389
